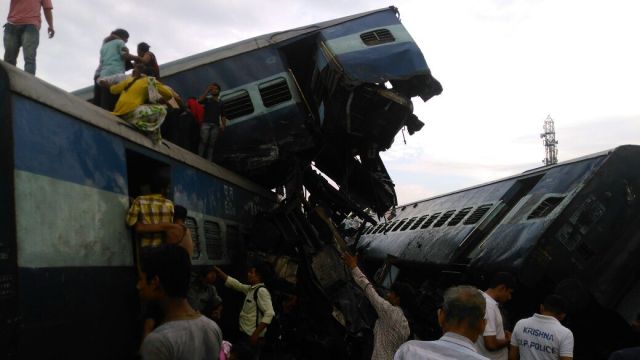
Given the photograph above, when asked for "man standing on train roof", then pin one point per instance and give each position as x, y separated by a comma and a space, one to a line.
154, 208
494, 342
23, 30
542, 336
214, 120
461, 318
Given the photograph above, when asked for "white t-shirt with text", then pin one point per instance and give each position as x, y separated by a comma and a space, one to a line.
542, 337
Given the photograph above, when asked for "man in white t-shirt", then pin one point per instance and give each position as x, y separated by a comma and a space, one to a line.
542, 337
186, 334
494, 342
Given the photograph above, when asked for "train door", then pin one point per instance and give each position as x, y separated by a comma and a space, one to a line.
140, 172
472, 244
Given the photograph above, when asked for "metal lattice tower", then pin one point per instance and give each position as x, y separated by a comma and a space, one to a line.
550, 142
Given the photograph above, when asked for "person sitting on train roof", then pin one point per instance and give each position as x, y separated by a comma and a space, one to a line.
154, 208
257, 311
148, 59
113, 58
392, 328
462, 320
140, 102
542, 336
214, 120
175, 233
494, 342
185, 334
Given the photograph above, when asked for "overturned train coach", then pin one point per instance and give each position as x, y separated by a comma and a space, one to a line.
572, 228
333, 93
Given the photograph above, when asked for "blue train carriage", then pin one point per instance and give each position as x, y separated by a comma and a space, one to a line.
314, 93
69, 171
573, 227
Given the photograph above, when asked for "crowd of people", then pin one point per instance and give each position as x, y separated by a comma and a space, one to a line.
150, 106
181, 308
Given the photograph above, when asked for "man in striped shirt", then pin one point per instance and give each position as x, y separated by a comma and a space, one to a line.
154, 208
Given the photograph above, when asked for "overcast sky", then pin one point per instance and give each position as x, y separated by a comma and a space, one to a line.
504, 65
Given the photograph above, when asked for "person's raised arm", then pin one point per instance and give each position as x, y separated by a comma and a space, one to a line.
48, 15
381, 305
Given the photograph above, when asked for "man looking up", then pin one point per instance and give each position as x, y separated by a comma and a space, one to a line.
542, 336
23, 30
494, 341
185, 334
462, 320
257, 311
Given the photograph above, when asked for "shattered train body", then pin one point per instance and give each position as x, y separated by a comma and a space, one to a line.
572, 228
333, 94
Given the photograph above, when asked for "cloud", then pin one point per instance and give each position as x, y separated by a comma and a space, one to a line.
504, 65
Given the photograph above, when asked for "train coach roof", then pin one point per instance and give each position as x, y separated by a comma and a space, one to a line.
31, 87
243, 46
523, 174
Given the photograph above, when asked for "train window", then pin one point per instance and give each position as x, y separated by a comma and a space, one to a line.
546, 207
377, 37
418, 222
192, 225
274, 92
430, 221
444, 218
408, 223
213, 240
477, 214
237, 104
387, 227
459, 216
399, 225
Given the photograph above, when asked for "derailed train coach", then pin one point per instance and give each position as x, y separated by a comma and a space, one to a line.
334, 93
571, 228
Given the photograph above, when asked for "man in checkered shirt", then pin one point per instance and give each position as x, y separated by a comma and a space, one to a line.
154, 208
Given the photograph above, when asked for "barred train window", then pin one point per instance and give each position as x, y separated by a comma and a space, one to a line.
192, 225
459, 216
377, 37
444, 218
477, 214
274, 92
237, 104
545, 207
213, 240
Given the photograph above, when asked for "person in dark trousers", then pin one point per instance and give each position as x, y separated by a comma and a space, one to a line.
22, 30
214, 120
185, 333
257, 311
